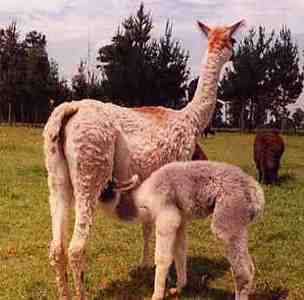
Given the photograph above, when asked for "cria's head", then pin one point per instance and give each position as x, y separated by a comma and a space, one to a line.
220, 38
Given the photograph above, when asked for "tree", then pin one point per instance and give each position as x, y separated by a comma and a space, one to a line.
286, 76
28, 80
265, 78
58, 88
37, 75
141, 71
79, 82
246, 86
86, 84
11, 57
171, 70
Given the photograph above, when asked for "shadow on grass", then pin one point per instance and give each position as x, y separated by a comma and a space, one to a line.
200, 271
268, 292
286, 178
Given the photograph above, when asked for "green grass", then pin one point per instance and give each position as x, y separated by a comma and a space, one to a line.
276, 239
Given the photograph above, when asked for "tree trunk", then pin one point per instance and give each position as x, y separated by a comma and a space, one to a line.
242, 121
1, 114
22, 113
9, 113
36, 115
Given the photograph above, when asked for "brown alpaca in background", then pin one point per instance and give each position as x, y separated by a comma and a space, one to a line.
268, 150
87, 143
199, 154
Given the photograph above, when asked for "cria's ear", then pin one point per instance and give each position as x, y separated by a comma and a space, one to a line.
204, 28
235, 27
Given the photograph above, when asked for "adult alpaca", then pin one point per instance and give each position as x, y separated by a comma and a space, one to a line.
86, 143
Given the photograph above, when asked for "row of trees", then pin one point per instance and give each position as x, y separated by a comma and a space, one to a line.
27, 77
136, 69
266, 78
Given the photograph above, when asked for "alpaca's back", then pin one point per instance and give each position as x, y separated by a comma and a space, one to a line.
197, 187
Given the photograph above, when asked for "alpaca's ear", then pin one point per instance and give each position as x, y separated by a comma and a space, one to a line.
204, 28
235, 27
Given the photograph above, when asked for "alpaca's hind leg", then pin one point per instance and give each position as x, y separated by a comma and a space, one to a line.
167, 224
147, 229
60, 198
91, 152
241, 263
84, 212
180, 258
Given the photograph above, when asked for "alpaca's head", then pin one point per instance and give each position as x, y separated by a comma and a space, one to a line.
220, 39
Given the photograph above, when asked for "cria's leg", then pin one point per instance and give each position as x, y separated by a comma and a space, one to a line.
147, 229
167, 224
180, 258
241, 263
60, 198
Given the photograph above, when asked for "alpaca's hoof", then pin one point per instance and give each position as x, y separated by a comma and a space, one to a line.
175, 291
82, 297
156, 298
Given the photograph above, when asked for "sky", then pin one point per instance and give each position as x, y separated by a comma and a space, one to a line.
70, 24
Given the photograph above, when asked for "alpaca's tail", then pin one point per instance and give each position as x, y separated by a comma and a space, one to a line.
57, 120
53, 148
257, 198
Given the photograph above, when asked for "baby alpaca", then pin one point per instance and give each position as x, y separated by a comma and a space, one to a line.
181, 191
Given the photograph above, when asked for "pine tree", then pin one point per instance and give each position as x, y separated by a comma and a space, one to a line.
140, 70
265, 78
37, 74
286, 74
80, 87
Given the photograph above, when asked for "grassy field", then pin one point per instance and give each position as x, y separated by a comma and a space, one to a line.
276, 240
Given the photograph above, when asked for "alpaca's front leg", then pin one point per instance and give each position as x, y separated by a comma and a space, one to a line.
167, 224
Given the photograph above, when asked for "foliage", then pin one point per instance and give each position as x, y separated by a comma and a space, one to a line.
86, 84
28, 79
140, 70
287, 77
265, 78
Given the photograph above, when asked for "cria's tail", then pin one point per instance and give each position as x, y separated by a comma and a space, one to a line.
257, 198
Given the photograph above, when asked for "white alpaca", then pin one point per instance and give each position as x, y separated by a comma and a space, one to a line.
86, 143
181, 191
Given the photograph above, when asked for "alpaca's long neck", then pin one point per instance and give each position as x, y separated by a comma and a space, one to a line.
200, 110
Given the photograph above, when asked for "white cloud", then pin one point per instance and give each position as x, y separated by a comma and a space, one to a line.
68, 23
32, 5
